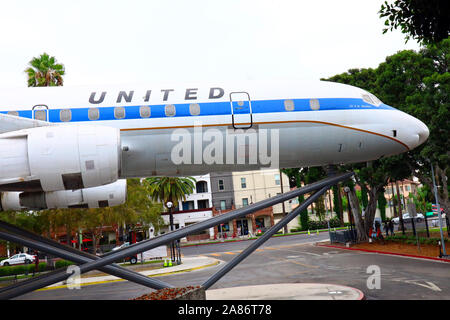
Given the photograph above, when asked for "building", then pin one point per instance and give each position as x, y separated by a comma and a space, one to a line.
256, 185
197, 207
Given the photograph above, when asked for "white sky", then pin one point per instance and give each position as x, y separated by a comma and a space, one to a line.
107, 42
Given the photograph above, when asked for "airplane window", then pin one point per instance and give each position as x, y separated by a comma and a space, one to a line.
144, 111
314, 104
289, 105
376, 100
93, 114
170, 110
370, 98
65, 115
119, 112
194, 109
13, 113
367, 98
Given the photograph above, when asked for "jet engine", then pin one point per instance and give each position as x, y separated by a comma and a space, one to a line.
63, 157
109, 195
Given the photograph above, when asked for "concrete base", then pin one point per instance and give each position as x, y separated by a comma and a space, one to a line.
287, 291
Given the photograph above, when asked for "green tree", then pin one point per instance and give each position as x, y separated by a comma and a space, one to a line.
382, 205
296, 178
427, 21
139, 209
170, 189
44, 71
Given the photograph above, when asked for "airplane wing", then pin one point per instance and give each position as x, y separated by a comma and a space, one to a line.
10, 123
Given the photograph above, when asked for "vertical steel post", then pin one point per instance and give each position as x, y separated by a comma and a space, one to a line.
439, 211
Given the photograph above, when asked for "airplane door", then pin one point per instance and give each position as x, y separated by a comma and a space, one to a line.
40, 112
241, 110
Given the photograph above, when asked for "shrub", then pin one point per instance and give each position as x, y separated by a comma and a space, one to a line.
334, 223
21, 269
62, 264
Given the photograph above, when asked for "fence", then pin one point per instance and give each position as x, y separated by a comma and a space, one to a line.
343, 236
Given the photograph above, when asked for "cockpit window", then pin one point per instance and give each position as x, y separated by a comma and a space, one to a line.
370, 98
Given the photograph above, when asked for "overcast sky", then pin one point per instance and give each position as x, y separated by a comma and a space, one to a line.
107, 42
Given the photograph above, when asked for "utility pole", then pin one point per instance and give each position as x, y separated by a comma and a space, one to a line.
285, 229
439, 211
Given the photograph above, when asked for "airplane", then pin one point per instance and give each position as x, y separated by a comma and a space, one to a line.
74, 146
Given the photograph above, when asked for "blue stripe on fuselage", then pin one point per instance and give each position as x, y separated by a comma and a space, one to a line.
210, 108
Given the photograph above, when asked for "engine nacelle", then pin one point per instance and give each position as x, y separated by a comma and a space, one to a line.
109, 195
64, 157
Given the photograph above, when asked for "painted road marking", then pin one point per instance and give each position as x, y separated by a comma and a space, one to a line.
428, 285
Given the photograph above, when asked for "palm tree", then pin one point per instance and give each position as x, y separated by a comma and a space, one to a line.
45, 72
170, 189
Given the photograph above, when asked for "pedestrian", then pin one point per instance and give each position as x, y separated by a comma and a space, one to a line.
391, 227
36, 263
386, 228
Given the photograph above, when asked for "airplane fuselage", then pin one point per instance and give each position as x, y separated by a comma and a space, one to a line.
192, 129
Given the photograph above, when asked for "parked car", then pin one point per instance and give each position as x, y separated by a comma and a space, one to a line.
406, 218
132, 259
19, 258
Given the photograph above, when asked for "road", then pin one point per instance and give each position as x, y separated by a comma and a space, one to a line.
293, 259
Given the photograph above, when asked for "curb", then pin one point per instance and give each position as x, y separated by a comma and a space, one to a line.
384, 252
238, 240
150, 276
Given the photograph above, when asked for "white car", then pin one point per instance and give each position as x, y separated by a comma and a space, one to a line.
132, 259
406, 218
19, 258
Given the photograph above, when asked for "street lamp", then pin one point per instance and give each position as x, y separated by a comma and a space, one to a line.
169, 206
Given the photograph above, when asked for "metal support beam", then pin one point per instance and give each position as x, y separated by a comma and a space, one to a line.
266, 236
111, 257
33, 284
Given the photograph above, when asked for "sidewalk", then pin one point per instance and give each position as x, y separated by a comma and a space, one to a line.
188, 264
287, 291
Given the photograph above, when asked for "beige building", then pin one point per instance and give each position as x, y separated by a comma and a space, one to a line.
253, 186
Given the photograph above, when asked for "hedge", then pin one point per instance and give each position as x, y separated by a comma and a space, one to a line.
413, 240
21, 269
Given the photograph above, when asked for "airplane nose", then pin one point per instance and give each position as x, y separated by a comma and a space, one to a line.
422, 131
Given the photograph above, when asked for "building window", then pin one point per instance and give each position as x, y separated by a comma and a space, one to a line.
224, 227
194, 109
188, 205
65, 115
144, 111
203, 204
277, 179
93, 114
245, 202
201, 187
223, 204
243, 183
221, 186
119, 112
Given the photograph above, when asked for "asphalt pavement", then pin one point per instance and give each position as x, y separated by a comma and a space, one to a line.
292, 260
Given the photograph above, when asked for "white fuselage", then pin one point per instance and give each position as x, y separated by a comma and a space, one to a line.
191, 129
